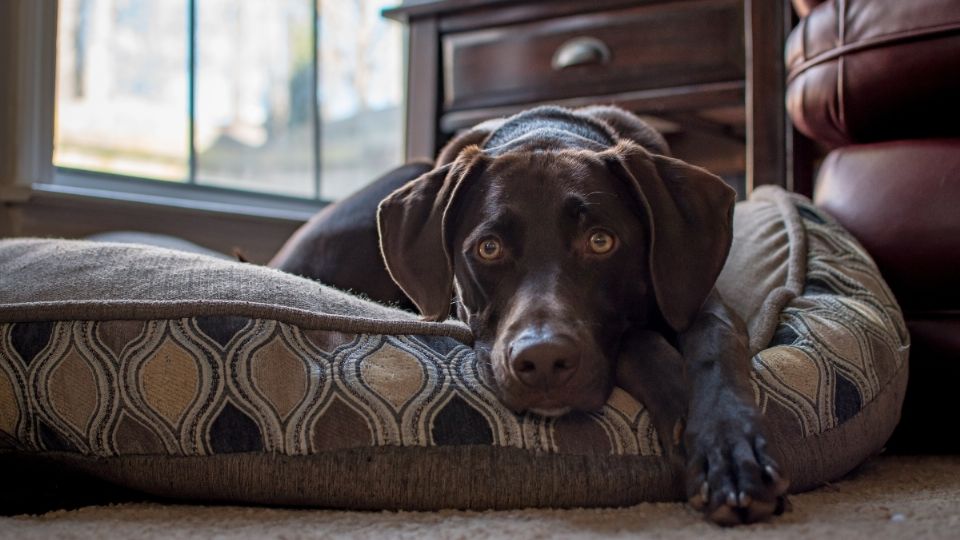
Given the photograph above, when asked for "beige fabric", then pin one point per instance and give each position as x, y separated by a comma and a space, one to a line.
394, 478
304, 404
892, 497
470, 476
128, 281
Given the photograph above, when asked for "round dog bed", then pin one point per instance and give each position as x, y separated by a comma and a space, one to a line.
195, 378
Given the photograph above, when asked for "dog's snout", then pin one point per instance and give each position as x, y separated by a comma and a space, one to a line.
544, 362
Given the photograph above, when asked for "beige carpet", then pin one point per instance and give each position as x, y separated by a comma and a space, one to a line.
910, 498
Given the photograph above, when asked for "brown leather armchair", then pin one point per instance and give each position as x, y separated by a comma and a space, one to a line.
878, 83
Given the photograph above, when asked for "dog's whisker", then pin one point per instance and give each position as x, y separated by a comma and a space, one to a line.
588, 202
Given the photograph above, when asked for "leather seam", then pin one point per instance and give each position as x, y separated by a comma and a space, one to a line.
874, 43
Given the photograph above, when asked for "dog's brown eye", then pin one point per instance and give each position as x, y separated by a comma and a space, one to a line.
601, 242
489, 249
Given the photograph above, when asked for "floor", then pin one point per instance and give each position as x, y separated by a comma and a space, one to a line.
891, 497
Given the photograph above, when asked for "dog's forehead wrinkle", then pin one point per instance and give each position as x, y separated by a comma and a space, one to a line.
500, 221
588, 203
596, 197
576, 206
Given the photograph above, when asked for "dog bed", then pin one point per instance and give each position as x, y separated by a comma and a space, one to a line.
195, 378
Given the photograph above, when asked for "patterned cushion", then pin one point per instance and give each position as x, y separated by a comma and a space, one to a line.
191, 377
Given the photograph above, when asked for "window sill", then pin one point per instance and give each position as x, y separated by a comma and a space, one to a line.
221, 220
82, 185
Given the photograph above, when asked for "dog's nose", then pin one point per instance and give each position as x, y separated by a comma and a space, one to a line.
544, 362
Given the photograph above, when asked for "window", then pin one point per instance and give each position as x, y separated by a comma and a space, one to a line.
297, 98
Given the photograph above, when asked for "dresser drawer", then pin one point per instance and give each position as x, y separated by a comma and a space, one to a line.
656, 45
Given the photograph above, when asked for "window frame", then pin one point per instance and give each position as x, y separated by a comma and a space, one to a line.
33, 28
52, 179
185, 194
37, 199
35, 175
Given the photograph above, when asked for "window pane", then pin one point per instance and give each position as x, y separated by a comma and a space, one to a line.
122, 87
361, 94
254, 85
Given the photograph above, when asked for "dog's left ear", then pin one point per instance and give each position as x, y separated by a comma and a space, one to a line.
413, 224
690, 219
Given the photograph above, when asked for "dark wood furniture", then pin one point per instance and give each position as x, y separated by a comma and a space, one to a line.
707, 73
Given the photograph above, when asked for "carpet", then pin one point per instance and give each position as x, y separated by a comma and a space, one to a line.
890, 497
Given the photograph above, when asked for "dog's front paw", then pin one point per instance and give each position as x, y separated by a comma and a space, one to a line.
731, 476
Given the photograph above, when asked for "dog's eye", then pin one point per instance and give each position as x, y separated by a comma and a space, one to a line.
489, 249
602, 242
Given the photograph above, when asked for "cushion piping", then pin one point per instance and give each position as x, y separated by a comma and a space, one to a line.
764, 324
66, 310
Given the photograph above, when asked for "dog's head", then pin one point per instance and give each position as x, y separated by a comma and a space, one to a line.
552, 256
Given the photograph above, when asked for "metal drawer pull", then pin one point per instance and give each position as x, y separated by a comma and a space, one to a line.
581, 51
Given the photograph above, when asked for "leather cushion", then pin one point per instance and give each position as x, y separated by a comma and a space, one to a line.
873, 70
901, 199
803, 7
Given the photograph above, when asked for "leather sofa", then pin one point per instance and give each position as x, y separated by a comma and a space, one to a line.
877, 83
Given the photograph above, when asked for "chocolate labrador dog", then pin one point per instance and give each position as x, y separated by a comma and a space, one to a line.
581, 255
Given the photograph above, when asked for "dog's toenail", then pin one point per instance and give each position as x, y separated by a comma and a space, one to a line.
780, 484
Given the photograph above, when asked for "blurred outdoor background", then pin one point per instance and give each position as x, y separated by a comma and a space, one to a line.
262, 118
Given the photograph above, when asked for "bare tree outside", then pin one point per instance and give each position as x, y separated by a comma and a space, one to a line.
361, 93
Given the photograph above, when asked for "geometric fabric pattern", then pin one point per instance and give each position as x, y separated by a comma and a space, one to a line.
836, 346
198, 386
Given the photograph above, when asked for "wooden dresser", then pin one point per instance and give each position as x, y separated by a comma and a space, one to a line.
707, 73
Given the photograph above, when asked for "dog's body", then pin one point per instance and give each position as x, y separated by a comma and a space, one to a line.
580, 254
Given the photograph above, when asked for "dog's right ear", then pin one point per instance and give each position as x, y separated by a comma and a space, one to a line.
414, 237
690, 218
